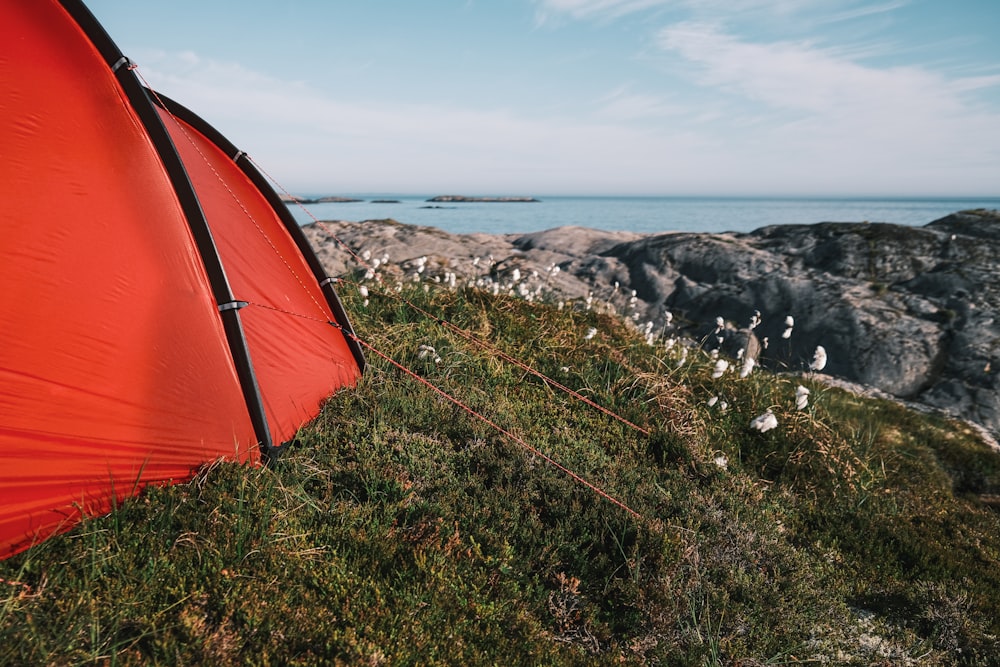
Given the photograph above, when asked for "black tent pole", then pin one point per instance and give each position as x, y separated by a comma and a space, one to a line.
228, 305
246, 165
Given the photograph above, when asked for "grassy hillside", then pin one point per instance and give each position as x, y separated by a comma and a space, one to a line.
401, 530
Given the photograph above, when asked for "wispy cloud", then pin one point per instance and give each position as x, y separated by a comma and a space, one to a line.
582, 9
833, 110
801, 76
866, 10
624, 105
836, 9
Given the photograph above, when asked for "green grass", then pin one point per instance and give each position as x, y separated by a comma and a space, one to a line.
402, 531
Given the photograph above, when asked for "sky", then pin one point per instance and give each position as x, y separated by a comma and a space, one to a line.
598, 97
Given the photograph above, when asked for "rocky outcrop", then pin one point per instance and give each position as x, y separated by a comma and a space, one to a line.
909, 310
293, 199
464, 199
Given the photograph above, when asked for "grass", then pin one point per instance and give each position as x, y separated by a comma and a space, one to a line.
402, 531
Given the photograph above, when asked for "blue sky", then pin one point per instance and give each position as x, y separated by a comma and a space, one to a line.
655, 97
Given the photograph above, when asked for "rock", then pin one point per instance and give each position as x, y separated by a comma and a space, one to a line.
464, 199
911, 311
292, 199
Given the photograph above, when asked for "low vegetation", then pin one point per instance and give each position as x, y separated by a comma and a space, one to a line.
401, 530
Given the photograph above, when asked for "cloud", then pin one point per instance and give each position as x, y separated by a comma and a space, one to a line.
866, 10
622, 105
823, 104
589, 9
585, 9
801, 76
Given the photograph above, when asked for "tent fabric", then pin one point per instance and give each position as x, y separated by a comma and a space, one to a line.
117, 367
265, 268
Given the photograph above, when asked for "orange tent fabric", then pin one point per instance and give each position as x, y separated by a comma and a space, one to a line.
158, 307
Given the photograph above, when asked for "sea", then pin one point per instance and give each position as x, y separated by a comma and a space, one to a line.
636, 214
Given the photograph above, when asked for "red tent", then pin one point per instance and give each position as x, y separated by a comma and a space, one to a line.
159, 307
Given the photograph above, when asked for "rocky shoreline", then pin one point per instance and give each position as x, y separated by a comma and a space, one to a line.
908, 311
480, 200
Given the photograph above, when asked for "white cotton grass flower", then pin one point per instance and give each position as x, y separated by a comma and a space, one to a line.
747, 368
719, 324
425, 351
819, 359
591, 332
716, 401
764, 422
755, 320
721, 366
801, 397
789, 324
722, 461
684, 357
648, 332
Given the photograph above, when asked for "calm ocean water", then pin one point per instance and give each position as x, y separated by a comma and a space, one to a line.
639, 214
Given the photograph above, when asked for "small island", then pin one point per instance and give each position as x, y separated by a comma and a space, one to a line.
292, 199
463, 199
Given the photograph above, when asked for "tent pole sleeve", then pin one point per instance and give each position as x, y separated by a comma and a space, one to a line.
246, 165
145, 109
